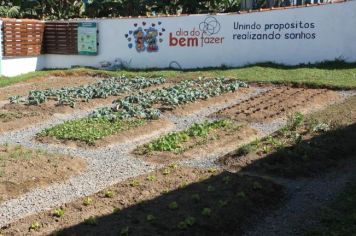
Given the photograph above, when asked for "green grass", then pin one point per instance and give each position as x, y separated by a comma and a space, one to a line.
336, 74
89, 130
175, 141
340, 217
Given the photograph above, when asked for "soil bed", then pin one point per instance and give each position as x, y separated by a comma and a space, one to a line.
184, 202
278, 103
25, 115
131, 134
320, 142
22, 170
217, 140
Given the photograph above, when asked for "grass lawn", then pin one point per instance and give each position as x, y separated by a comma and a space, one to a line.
335, 74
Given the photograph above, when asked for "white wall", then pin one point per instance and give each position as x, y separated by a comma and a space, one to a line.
21, 65
334, 29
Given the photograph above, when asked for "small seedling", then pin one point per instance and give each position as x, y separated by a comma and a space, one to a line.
151, 178
150, 217
35, 226
213, 170
206, 212
226, 180
173, 166
196, 197
87, 201
135, 183
58, 212
211, 188
166, 171
109, 194
116, 210
241, 195
183, 225
91, 221
257, 185
223, 203
173, 205
125, 231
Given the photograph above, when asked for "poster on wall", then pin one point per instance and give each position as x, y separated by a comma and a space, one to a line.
87, 38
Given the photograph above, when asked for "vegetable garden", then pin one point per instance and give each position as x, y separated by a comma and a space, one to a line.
162, 156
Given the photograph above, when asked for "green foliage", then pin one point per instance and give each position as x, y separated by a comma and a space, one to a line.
87, 201
173, 142
173, 205
35, 226
109, 194
101, 89
90, 130
206, 212
295, 121
142, 105
188, 222
91, 221
135, 183
58, 212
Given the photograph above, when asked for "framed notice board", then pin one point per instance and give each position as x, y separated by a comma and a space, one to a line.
87, 38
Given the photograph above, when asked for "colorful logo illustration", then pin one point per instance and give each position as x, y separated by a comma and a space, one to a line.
145, 37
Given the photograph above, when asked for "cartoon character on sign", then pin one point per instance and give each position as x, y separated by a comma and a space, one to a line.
151, 39
139, 40
145, 37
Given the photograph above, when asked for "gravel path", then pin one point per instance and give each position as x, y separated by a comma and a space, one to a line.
306, 196
106, 166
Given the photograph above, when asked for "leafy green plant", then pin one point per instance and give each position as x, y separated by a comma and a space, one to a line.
152, 178
173, 205
196, 197
87, 201
135, 183
188, 222
174, 142
35, 226
109, 194
125, 231
206, 212
150, 218
90, 130
295, 120
223, 203
91, 221
58, 212
211, 188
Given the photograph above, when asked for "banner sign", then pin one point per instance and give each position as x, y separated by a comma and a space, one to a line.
87, 38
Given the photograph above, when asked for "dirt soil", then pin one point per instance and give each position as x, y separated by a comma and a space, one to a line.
22, 169
278, 103
151, 128
185, 202
315, 153
218, 141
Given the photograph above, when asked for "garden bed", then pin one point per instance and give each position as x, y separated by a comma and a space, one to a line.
200, 140
184, 201
278, 103
49, 103
93, 134
22, 170
305, 147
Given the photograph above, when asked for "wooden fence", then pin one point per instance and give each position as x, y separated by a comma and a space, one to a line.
61, 38
22, 37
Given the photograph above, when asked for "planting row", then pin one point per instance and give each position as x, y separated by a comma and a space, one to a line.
102, 89
143, 105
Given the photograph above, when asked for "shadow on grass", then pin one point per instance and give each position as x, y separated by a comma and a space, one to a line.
311, 156
220, 205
